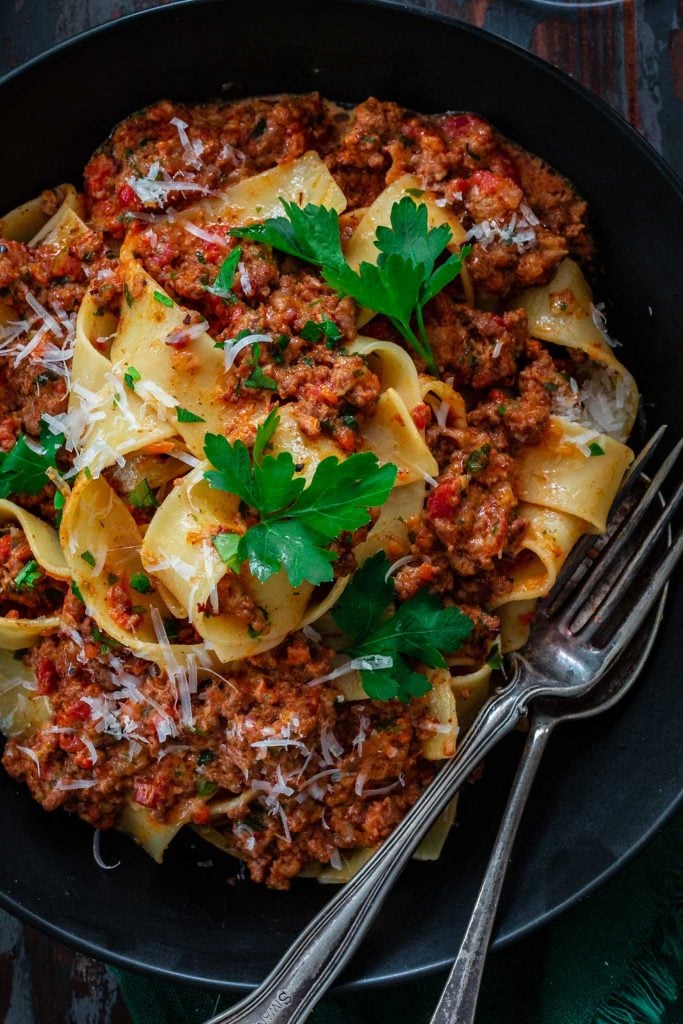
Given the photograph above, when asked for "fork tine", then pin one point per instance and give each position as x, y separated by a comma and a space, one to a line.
613, 549
604, 608
570, 571
634, 620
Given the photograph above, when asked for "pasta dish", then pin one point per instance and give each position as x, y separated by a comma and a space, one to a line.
302, 409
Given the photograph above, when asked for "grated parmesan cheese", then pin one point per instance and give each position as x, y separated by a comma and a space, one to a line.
395, 566
233, 348
75, 784
191, 150
32, 755
184, 334
369, 663
97, 856
206, 236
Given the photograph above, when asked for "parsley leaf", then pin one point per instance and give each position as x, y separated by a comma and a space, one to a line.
399, 286
311, 234
314, 330
131, 377
105, 641
185, 416
27, 577
89, 558
595, 449
222, 286
296, 522
494, 658
165, 300
226, 544
478, 460
23, 470
264, 434
142, 496
58, 502
420, 629
141, 582
257, 378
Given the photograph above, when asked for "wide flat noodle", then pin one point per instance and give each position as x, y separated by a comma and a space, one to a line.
393, 366
351, 861
437, 393
152, 835
441, 703
433, 843
25, 222
62, 230
470, 684
392, 435
188, 376
21, 708
558, 475
178, 550
306, 452
95, 520
361, 247
106, 420
515, 624
301, 181
391, 531
562, 312
547, 542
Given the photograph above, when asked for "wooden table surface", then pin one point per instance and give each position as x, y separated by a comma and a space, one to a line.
630, 52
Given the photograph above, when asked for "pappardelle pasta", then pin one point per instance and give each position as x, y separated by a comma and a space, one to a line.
302, 409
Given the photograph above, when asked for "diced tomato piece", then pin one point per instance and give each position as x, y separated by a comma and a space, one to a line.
444, 498
455, 125
426, 572
83, 760
346, 438
127, 196
79, 710
69, 742
422, 415
147, 793
487, 182
458, 185
5, 546
47, 677
201, 815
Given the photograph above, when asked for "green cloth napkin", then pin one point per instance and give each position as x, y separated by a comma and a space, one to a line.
616, 958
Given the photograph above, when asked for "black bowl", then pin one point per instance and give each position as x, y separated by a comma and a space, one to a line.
606, 785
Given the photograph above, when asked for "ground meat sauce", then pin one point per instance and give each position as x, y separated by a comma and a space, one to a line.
25, 591
318, 775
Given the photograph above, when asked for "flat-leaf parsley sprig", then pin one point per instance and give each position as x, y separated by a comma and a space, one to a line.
297, 522
23, 469
402, 282
421, 629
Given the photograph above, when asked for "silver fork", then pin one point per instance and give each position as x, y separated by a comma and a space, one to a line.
458, 1001
564, 659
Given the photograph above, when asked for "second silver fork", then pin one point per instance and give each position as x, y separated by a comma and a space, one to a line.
458, 1001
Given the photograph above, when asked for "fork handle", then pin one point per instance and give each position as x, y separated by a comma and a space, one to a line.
320, 952
458, 1001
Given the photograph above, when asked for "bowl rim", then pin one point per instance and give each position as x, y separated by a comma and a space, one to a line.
647, 150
